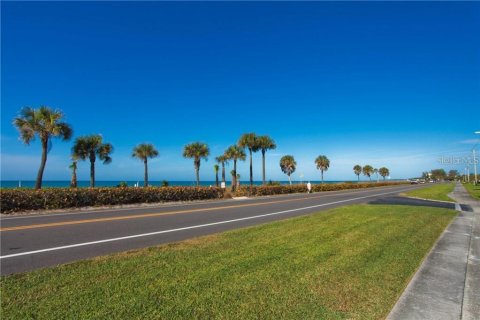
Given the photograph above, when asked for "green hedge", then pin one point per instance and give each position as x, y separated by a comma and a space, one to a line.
12, 200
299, 188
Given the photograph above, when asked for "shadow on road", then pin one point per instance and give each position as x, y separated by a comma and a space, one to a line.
395, 200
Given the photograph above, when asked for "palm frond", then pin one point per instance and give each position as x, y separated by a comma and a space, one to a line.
249, 141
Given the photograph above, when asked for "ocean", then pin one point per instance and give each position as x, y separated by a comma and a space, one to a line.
114, 183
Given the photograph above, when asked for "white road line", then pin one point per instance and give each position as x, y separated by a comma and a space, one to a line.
188, 228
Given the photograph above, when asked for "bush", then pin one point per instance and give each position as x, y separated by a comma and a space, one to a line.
273, 183
299, 188
269, 190
12, 200
122, 184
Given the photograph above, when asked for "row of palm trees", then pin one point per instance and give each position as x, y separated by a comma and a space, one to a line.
250, 141
288, 165
368, 171
47, 124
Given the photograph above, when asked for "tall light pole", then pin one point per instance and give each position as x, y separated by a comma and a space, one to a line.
474, 167
475, 160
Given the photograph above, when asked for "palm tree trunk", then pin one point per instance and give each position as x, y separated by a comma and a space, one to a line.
92, 174
251, 169
75, 178
197, 171
289, 180
223, 171
234, 178
322, 176
145, 178
358, 177
38, 183
263, 165
216, 178
73, 183
197, 174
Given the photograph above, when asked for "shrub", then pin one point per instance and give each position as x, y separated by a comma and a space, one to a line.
299, 188
273, 183
122, 184
12, 200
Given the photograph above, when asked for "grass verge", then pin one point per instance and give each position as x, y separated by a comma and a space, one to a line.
473, 190
347, 263
434, 192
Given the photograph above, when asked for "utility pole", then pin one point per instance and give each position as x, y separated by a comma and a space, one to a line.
475, 160
475, 166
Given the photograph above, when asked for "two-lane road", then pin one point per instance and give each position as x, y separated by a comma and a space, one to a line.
36, 241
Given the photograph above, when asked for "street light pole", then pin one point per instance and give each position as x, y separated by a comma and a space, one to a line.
475, 160
475, 167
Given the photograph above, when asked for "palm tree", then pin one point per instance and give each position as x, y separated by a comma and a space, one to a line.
357, 169
232, 173
142, 152
216, 167
375, 171
89, 147
235, 153
323, 164
384, 172
288, 166
197, 151
222, 160
73, 166
265, 143
367, 171
249, 141
47, 124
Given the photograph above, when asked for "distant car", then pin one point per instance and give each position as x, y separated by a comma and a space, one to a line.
413, 181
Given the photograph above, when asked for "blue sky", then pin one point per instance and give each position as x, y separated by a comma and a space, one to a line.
393, 84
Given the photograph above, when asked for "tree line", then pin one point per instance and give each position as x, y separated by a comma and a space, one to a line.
368, 171
47, 124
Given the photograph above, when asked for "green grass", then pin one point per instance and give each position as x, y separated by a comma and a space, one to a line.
347, 263
433, 192
473, 190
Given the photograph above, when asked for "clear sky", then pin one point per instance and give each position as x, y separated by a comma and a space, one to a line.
393, 84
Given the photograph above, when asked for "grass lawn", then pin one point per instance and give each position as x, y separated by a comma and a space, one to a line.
347, 263
433, 192
473, 190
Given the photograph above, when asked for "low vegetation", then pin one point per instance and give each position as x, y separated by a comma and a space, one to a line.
433, 192
12, 200
473, 190
347, 263
298, 188
16, 200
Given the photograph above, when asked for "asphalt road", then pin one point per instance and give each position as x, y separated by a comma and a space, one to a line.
37, 241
